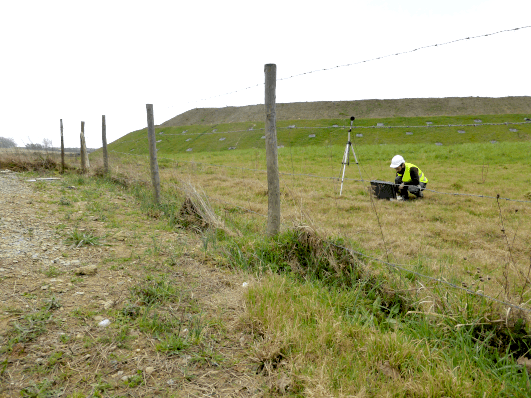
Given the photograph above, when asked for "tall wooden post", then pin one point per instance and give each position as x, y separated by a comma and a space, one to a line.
62, 150
155, 179
273, 183
82, 148
104, 141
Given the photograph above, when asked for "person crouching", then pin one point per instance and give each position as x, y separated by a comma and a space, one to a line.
409, 178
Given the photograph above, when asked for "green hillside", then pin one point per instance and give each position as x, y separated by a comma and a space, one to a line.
440, 130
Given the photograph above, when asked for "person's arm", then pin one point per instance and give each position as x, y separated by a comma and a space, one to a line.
415, 179
398, 178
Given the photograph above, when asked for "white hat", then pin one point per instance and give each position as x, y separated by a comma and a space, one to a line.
397, 161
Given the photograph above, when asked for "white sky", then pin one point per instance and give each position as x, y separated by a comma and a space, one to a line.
77, 61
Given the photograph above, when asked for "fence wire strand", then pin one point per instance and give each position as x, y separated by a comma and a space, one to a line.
364, 61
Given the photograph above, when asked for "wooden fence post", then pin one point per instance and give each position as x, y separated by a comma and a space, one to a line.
273, 183
62, 150
153, 153
82, 148
104, 141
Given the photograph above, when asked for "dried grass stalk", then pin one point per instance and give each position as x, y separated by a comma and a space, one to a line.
198, 211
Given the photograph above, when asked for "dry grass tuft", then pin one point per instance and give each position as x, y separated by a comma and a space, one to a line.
191, 216
196, 212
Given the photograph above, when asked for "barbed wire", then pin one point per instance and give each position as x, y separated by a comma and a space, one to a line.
365, 61
325, 177
407, 52
184, 133
443, 125
293, 127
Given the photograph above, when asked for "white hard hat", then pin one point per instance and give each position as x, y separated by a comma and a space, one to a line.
397, 161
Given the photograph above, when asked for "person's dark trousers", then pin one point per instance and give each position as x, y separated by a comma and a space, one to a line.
413, 189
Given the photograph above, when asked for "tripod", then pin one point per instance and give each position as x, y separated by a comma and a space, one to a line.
346, 156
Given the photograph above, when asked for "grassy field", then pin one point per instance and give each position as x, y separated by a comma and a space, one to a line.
452, 234
327, 311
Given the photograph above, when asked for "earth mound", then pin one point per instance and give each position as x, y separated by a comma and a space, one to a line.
373, 108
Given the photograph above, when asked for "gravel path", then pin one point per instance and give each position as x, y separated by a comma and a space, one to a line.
26, 233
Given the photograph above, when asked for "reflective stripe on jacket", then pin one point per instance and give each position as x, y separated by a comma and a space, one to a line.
407, 175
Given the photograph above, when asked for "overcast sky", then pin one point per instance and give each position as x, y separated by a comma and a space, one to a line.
77, 61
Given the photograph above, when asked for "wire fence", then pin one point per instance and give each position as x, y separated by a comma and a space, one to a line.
299, 177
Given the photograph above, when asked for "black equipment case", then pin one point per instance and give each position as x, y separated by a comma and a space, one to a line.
383, 189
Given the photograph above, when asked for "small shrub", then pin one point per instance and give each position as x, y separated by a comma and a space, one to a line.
40, 389
135, 380
131, 310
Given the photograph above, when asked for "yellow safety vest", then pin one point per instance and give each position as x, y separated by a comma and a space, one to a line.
407, 175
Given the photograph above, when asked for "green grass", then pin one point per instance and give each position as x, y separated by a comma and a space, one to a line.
79, 238
202, 138
333, 339
156, 290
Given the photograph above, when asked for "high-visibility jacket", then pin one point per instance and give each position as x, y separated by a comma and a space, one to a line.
407, 175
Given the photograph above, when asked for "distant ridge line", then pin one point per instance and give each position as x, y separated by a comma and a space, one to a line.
372, 108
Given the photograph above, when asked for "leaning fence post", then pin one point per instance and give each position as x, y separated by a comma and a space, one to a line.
104, 141
273, 184
153, 153
62, 150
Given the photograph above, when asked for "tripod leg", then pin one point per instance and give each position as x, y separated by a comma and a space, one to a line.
355, 158
354, 153
342, 178
345, 162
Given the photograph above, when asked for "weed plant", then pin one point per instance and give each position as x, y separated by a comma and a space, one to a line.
78, 238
